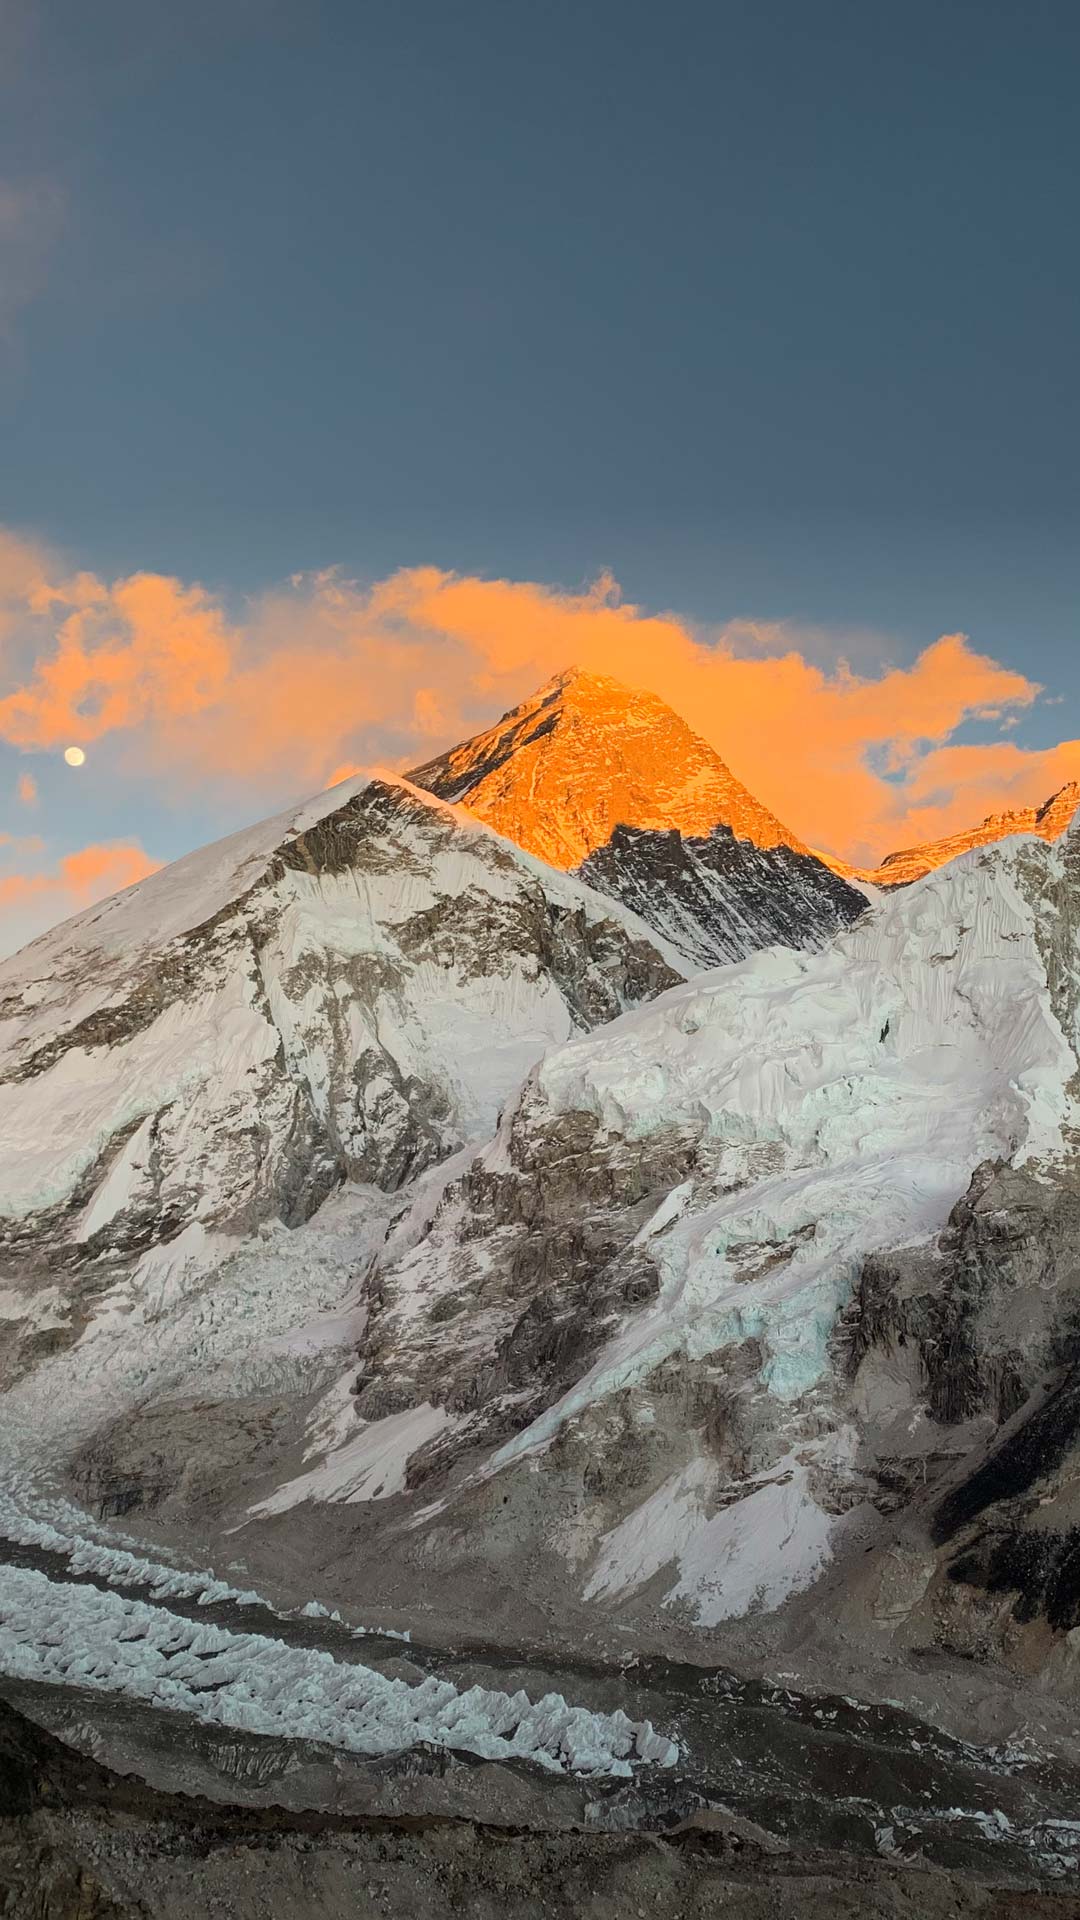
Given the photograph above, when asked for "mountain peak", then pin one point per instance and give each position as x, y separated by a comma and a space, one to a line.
586, 754
1049, 821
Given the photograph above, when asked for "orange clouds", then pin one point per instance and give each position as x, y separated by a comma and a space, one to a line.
89, 874
813, 746
119, 656
323, 675
30, 902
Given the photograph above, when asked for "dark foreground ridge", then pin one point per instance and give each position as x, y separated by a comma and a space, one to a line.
79, 1842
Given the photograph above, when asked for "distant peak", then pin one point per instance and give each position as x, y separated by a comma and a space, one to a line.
1049, 821
586, 754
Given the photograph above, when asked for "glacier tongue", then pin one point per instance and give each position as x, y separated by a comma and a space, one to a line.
83, 1636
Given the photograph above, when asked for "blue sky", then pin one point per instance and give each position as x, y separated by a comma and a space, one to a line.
770, 310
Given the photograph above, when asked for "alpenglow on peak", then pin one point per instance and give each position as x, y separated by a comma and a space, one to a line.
585, 755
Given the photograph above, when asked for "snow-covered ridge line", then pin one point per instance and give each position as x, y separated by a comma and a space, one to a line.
786, 1119
370, 998
80, 1636
179, 899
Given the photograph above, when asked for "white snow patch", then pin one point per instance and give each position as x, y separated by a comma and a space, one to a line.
767, 1542
370, 1466
205, 1314
39, 1310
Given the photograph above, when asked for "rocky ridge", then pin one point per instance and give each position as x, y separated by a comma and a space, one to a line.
1049, 821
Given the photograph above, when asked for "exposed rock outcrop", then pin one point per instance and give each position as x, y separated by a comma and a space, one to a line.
718, 898
346, 994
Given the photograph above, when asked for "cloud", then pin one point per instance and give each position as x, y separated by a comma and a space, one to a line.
27, 790
323, 675
32, 902
116, 657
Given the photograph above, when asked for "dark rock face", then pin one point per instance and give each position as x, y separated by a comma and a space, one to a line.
718, 898
1034, 1451
984, 1309
991, 1317
1040, 1570
190, 1451
538, 1264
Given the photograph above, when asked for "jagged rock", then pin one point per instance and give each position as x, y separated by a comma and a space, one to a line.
719, 898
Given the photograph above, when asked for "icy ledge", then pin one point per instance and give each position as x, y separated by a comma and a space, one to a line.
82, 1637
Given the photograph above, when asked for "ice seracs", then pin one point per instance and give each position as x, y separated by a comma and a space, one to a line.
81, 1636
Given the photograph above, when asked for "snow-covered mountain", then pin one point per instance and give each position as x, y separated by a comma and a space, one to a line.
386, 1205
585, 755
749, 1284
350, 992
607, 781
765, 1288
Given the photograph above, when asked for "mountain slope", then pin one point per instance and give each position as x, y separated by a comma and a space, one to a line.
1049, 822
745, 1284
382, 1205
349, 993
609, 782
716, 898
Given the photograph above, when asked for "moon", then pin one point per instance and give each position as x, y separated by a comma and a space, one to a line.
74, 756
